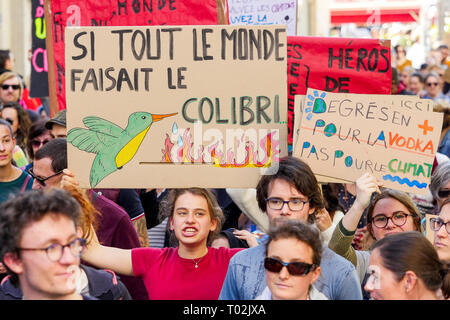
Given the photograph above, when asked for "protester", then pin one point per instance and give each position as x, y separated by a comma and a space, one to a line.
292, 193
445, 60
38, 136
7, 61
389, 212
57, 125
233, 238
184, 272
416, 83
12, 179
441, 228
35, 230
101, 284
20, 122
400, 58
404, 80
115, 227
440, 183
433, 90
292, 263
405, 266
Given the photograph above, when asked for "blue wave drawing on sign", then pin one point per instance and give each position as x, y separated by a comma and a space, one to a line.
405, 180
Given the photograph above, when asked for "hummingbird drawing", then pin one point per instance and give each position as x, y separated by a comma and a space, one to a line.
113, 145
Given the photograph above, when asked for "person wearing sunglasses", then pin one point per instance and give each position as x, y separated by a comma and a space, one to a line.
292, 193
292, 263
10, 87
40, 245
440, 183
433, 88
405, 266
389, 212
38, 136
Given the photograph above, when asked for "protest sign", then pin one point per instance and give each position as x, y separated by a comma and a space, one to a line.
264, 12
408, 102
175, 106
39, 64
344, 135
62, 13
337, 65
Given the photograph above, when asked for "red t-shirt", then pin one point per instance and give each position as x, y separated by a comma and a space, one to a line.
167, 276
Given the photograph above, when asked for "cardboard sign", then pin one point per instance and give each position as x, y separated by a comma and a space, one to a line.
175, 106
264, 12
337, 65
62, 13
39, 61
344, 135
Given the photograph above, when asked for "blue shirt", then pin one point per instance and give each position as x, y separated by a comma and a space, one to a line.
246, 276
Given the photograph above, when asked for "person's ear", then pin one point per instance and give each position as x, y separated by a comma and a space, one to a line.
316, 274
13, 262
171, 227
409, 281
213, 225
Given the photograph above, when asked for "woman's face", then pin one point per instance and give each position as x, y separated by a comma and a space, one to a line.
432, 86
191, 220
283, 285
441, 237
39, 141
10, 115
415, 86
382, 284
391, 208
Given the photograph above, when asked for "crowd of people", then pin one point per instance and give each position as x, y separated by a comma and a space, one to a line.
319, 242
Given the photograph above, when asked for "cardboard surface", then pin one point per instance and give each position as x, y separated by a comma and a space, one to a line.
344, 135
60, 14
264, 12
225, 119
337, 65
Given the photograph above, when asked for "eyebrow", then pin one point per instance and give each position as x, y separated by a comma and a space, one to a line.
51, 241
398, 211
197, 209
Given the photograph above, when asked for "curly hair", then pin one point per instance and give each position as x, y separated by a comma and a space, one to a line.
167, 206
24, 123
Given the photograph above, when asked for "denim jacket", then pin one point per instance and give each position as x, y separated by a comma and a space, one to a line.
246, 276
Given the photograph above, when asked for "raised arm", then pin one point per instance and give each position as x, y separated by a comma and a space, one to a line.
103, 257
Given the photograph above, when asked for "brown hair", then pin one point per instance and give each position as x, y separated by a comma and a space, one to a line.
299, 175
300, 231
411, 251
401, 197
24, 123
167, 207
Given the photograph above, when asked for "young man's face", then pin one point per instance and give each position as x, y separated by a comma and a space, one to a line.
58, 131
39, 276
7, 144
283, 190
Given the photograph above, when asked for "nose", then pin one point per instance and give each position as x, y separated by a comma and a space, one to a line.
284, 273
67, 256
390, 224
369, 284
190, 218
442, 233
285, 209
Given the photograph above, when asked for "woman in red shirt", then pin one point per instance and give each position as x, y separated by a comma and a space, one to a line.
191, 271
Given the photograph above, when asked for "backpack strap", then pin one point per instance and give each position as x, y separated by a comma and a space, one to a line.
25, 183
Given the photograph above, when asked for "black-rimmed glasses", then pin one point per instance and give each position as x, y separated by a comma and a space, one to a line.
42, 180
444, 193
294, 268
293, 204
55, 251
437, 223
398, 218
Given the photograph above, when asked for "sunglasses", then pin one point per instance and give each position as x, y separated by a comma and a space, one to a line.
294, 268
429, 84
42, 180
11, 121
38, 143
444, 193
7, 86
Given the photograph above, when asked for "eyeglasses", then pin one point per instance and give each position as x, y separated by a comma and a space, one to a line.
293, 204
38, 143
437, 223
429, 84
7, 86
398, 218
55, 251
294, 268
11, 121
444, 193
42, 180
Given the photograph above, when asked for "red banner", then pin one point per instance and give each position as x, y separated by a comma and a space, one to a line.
337, 65
120, 13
